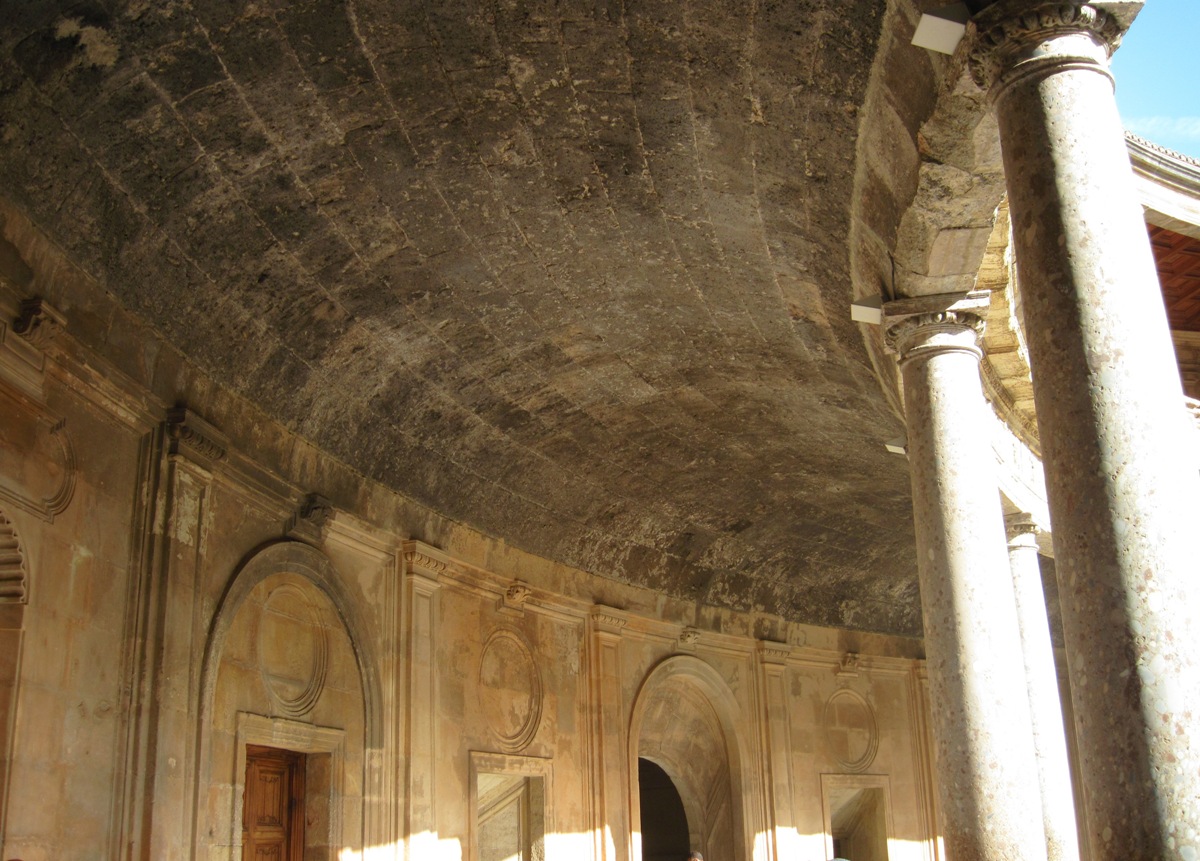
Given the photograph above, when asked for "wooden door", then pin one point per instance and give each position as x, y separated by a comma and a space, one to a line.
273, 805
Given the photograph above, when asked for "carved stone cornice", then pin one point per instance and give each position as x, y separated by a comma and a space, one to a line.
39, 323
417, 561
1011, 37
194, 438
774, 653
608, 620
928, 324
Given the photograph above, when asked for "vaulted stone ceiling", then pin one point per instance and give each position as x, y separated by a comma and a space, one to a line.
575, 274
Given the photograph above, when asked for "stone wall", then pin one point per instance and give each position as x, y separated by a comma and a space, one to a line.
180, 583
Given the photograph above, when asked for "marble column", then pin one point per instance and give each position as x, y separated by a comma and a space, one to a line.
1111, 419
1041, 679
987, 773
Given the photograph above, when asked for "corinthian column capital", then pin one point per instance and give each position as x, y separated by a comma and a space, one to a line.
1012, 38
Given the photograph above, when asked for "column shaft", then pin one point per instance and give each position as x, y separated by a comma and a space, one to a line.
1041, 678
1112, 424
985, 763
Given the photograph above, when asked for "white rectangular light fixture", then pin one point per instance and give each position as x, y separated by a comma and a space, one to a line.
869, 309
942, 29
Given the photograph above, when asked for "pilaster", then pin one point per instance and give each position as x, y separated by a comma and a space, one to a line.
777, 748
159, 821
423, 566
611, 801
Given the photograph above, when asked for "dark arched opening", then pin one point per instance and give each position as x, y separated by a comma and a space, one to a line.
664, 823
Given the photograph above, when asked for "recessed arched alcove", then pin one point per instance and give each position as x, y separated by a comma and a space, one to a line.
287, 674
683, 725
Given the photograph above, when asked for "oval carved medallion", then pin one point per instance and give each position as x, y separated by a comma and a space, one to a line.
293, 650
850, 730
510, 690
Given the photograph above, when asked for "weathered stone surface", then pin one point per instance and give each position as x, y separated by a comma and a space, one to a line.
576, 277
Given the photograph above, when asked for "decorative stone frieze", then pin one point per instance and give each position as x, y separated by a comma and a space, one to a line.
688, 638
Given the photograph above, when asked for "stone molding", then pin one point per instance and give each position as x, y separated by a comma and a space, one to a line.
13, 573
195, 438
1008, 38
927, 325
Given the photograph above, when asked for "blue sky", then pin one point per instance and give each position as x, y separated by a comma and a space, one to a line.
1158, 75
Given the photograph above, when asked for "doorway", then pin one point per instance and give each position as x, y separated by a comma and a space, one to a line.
665, 835
273, 805
857, 816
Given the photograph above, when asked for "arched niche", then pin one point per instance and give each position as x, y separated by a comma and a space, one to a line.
288, 665
685, 722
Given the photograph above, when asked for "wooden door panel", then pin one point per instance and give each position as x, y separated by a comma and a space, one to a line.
273, 805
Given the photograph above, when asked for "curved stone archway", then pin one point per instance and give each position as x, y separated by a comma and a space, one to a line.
289, 664
683, 722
